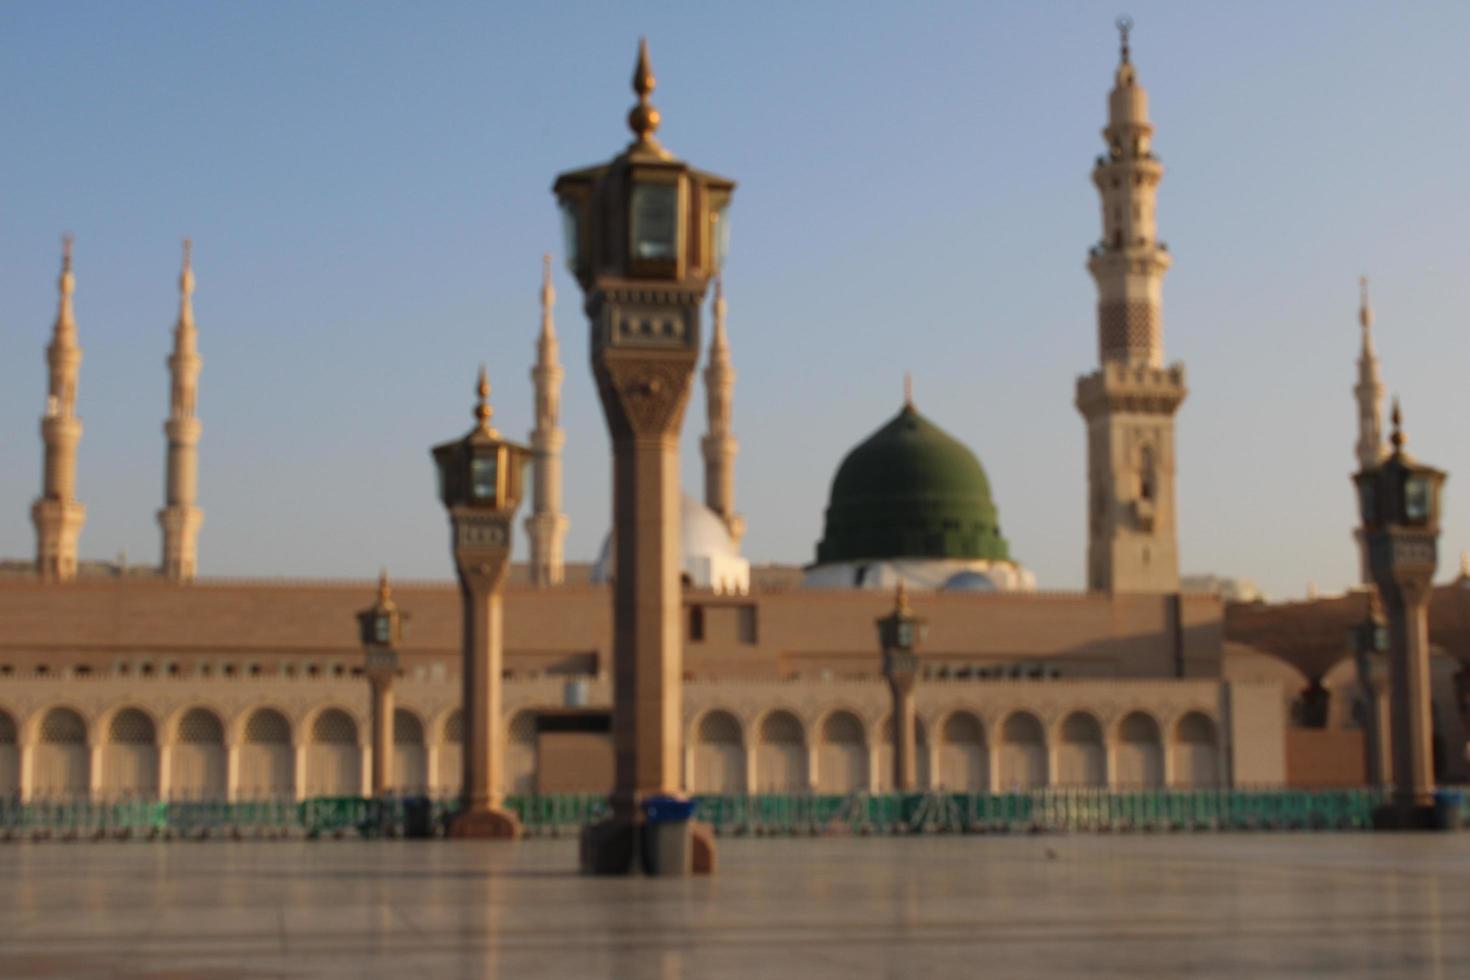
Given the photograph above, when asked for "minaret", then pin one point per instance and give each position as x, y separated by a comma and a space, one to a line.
1369, 389
1369, 394
179, 518
546, 526
719, 445
57, 514
1129, 402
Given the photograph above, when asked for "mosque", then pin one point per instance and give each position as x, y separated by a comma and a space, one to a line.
155, 682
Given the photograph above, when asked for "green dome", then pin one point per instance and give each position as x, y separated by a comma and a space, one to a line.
911, 490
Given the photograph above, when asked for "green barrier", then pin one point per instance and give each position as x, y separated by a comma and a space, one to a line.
766, 814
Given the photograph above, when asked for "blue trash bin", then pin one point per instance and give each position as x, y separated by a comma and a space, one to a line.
665, 836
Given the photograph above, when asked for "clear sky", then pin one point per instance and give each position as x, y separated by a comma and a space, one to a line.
367, 185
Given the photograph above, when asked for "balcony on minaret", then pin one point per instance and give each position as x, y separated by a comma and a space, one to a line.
1122, 387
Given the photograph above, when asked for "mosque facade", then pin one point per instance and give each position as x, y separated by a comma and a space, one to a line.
154, 682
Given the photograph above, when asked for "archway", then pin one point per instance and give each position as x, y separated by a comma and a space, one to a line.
61, 767
197, 765
410, 756
9, 757
842, 754
1022, 753
333, 762
451, 756
964, 764
1140, 752
267, 763
520, 753
780, 754
719, 755
1080, 756
1196, 752
921, 756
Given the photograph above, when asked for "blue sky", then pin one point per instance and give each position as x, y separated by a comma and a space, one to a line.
367, 185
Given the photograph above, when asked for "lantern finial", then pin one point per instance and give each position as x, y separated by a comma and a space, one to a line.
643, 120
483, 411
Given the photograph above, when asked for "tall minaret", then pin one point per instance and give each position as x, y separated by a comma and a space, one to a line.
719, 445
179, 518
1129, 402
546, 526
1369, 394
57, 514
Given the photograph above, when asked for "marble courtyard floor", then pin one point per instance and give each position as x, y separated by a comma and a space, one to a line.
1281, 905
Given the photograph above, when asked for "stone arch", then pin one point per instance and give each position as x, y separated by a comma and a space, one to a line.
450, 774
62, 766
9, 756
410, 773
885, 755
964, 762
197, 761
1196, 749
842, 753
718, 759
1081, 757
333, 758
267, 757
129, 754
780, 753
1022, 752
1139, 751
520, 752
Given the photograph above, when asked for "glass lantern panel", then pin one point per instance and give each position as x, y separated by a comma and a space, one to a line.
1416, 499
482, 478
655, 221
722, 236
905, 634
382, 629
570, 234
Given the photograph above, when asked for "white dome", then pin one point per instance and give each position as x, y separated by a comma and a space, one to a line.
711, 558
969, 581
922, 574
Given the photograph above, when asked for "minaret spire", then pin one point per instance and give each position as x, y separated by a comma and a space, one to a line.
1368, 392
718, 445
180, 519
546, 526
1130, 401
57, 514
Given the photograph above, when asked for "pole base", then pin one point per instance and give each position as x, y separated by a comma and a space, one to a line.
491, 823
622, 845
1406, 816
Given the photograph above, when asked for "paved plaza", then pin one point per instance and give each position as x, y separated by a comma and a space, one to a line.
1279, 905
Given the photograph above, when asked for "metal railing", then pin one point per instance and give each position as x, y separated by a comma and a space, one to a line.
766, 814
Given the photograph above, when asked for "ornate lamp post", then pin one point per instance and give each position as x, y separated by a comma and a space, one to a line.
380, 627
645, 232
899, 634
480, 484
1369, 641
1399, 500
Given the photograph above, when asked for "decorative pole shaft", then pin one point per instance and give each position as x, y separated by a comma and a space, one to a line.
382, 691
